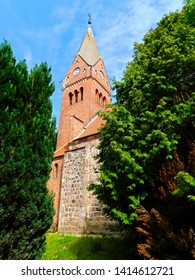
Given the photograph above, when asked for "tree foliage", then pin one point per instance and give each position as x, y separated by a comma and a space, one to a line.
148, 137
27, 135
190, 10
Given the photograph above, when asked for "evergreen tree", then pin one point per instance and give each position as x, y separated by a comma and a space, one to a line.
27, 135
147, 146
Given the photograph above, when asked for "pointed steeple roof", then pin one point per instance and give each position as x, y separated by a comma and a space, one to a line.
88, 49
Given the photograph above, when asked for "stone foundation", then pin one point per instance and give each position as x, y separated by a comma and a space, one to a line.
80, 212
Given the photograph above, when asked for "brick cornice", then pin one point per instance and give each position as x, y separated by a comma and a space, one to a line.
76, 83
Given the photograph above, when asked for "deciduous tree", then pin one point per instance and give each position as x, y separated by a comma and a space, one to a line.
148, 140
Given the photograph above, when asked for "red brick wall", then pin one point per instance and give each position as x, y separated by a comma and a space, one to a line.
54, 186
96, 90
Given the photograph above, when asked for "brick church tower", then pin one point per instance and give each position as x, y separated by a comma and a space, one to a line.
85, 91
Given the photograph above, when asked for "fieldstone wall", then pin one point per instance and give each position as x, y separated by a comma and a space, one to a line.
80, 212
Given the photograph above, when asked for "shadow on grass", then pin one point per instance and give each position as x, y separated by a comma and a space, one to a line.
70, 247
99, 248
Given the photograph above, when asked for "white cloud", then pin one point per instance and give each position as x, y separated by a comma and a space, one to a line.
64, 17
124, 24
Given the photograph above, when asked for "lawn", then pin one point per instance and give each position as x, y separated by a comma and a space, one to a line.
71, 247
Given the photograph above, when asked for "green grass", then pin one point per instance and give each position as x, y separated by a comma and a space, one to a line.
70, 247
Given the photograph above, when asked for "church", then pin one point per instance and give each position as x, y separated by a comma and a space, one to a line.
85, 91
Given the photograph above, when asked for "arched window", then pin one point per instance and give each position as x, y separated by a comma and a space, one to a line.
76, 96
97, 96
100, 99
55, 171
104, 101
81, 92
70, 97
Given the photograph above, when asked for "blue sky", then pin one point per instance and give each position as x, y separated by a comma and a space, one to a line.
52, 31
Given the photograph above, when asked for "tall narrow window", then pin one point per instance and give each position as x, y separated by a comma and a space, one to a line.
70, 97
96, 96
100, 99
81, 91
104, 101
76, 96
55, 171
